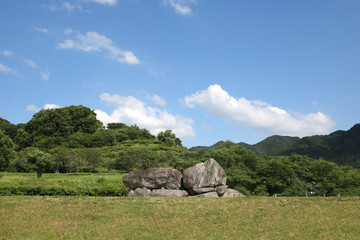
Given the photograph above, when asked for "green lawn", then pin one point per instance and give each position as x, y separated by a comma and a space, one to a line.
42, 217
85, 184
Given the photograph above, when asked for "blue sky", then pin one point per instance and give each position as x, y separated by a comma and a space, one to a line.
210, 70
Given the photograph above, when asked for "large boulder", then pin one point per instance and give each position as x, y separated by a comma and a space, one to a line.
168, 193
203, 175
233, 193
153, 178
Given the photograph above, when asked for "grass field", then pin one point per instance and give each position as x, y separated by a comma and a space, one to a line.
42, 217
73, 184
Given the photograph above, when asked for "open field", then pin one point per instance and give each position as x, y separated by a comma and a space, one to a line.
42, 217
73, 184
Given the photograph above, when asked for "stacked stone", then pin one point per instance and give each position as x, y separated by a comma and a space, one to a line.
202, 180
208, 180
154, 182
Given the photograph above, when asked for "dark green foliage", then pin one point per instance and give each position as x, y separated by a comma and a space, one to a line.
272, 145
341, 147
109, 137
71, 140
169, 138
60, 123
41, 161
9, 128
6, 151
22, 139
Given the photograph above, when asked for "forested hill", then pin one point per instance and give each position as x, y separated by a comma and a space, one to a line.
270, 146
341, 147
71, 139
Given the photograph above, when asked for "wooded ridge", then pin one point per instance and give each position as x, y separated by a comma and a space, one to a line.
71, 139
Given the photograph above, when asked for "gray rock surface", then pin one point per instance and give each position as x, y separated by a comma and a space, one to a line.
139, 192
168, 193
209, 194
130, 193
203, 175
153, 178
233, 193
220, 190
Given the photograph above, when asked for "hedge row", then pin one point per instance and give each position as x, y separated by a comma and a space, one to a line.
61, 191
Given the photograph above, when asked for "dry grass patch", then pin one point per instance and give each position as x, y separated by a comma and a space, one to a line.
178, 218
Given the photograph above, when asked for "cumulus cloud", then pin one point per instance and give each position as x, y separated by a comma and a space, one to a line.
33, 108
157, 100
258, 114
6, 69
51, 106
130, 110
181, 7
104, 2
93, 41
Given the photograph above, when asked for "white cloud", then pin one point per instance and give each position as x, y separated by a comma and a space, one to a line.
130, 110
51, 106
181, 6
7, 53
258, 114
64, 6
157, 100
6, 69
42, 30
92, 41
33, 108
109, 2
30, 63
45, 74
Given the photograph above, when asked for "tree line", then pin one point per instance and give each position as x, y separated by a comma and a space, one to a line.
71, 139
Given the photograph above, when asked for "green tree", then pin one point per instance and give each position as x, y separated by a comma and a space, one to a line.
8, 128
93, 158
169, 138
60, 123
62, 157
41, 161
113, 126
327, 177
7, 151
136, 157
22, 139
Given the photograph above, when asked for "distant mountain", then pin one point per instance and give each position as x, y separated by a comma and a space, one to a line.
271, 145
341, 147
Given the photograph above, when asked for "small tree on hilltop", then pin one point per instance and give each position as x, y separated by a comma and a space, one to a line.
169, 138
